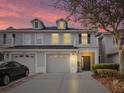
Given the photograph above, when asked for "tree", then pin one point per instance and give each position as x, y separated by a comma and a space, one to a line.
108, 14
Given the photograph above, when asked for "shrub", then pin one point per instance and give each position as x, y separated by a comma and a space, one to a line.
107, 73
105, 66
120, 76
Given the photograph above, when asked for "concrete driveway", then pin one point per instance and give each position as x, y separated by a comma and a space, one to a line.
61, 83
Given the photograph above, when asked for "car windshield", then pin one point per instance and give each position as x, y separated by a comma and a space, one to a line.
3, 64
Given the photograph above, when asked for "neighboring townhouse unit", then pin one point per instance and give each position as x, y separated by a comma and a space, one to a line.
108, 48
51, 49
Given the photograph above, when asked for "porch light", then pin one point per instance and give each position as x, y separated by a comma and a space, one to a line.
73, 52
73, 58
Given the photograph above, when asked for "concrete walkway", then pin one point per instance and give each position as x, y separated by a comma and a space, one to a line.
61, 83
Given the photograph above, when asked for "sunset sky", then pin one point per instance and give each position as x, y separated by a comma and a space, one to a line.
19, 13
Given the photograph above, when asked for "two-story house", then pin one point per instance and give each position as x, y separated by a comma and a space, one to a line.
50, 49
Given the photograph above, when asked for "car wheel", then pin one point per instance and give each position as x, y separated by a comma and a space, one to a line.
6, 80
26, 73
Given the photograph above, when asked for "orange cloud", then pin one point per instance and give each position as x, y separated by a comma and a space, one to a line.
3, 24
6, 14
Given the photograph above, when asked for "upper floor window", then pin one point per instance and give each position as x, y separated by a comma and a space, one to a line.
67, 38
84, 38
36, 24
80, 39
27, 39
39, 38
55, 39
61, 25
89, 39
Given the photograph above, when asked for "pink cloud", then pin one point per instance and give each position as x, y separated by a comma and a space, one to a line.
49, 16
3, 24
101, 30
6, 23
22, 11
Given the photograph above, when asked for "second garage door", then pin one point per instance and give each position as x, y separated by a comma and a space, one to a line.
58, 63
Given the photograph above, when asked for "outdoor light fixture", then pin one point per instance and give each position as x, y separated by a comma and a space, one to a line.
73, 52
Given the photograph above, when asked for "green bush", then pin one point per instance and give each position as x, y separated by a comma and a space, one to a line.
105, 66
120, 76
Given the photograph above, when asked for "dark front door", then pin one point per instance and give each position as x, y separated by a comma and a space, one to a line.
85, 63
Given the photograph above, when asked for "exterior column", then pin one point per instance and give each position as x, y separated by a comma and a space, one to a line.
36, 62
45, 59
78, 61
96, 57
73, 62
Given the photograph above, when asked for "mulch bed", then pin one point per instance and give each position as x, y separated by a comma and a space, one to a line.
107, 82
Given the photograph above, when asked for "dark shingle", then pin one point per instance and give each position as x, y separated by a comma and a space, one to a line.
43, 47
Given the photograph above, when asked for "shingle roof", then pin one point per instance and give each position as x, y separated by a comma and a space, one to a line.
52, 29
47, 28
43, 47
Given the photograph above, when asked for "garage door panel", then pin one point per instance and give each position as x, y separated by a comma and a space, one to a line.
27, 60
57, 63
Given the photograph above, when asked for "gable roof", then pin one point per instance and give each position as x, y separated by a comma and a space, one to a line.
10, 28
41, 22
35, 19
61, 19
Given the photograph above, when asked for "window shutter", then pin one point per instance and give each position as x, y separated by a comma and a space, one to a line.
80, 39
89, 39
4, 38
13, 35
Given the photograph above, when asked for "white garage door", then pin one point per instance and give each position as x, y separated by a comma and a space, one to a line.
28, 60
58, 63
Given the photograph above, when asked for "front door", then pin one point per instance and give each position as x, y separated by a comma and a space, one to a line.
85, 61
